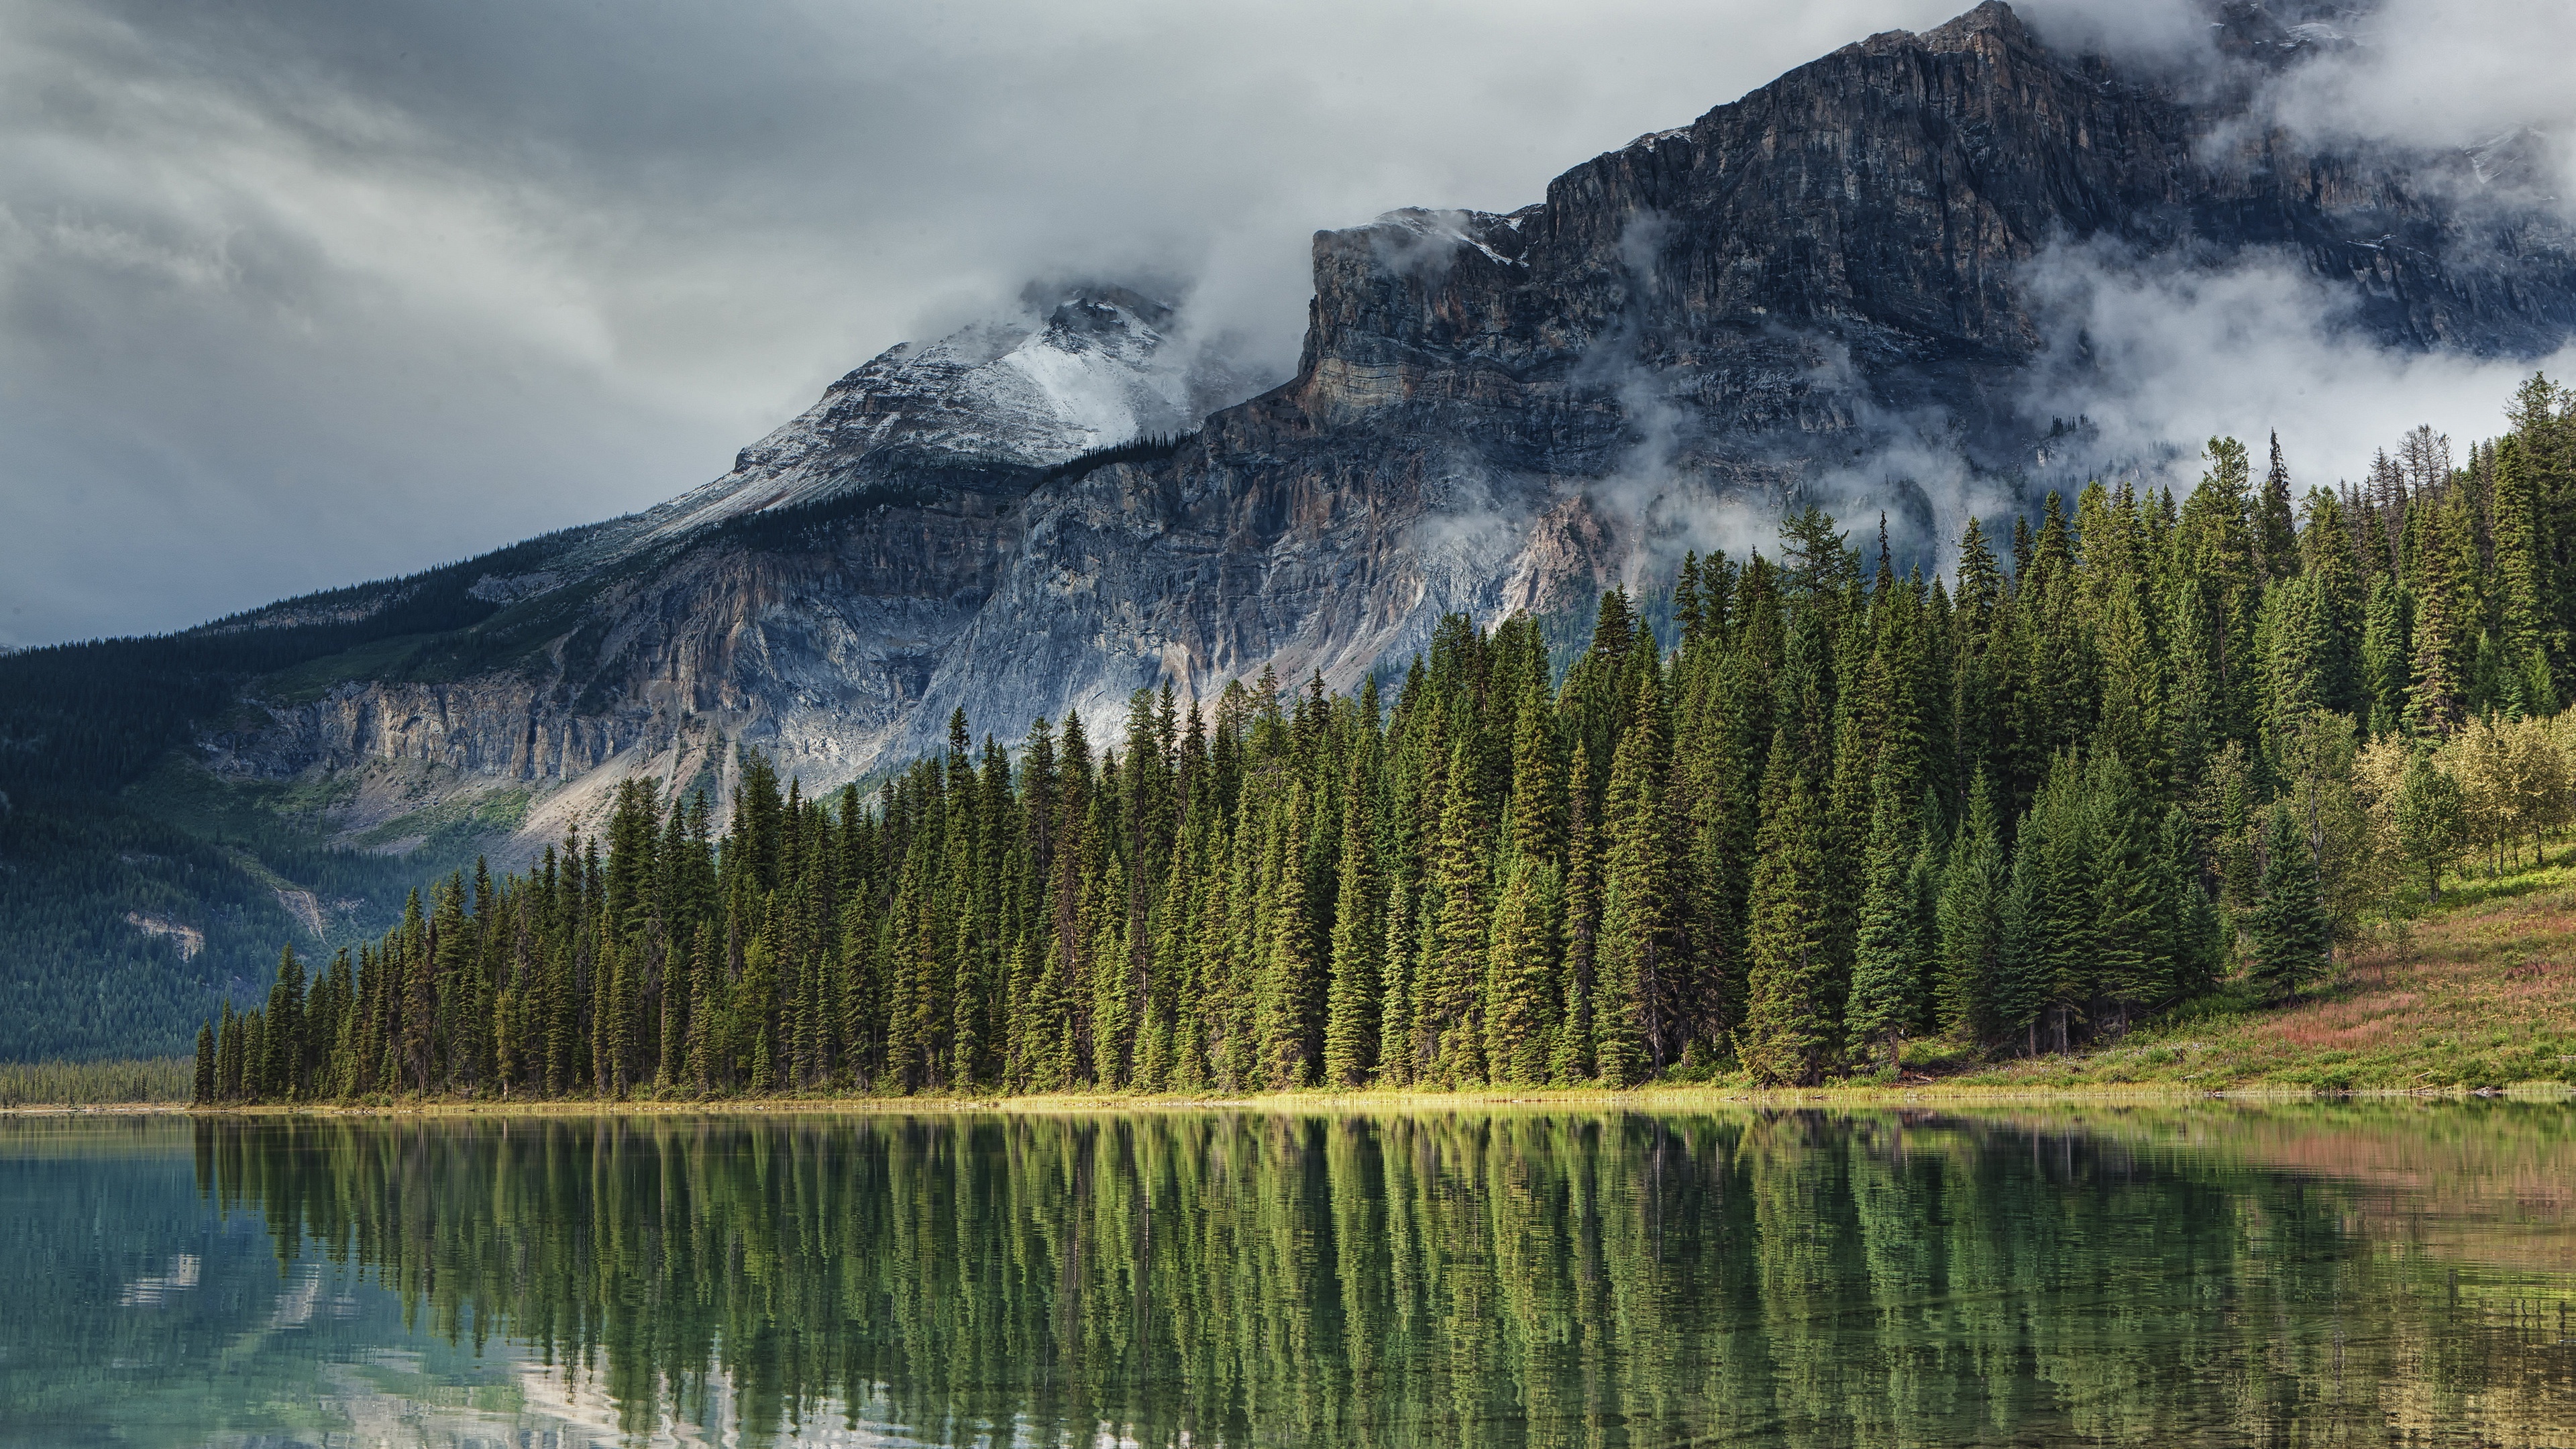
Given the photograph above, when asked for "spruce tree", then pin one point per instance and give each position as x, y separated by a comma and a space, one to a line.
2387, 650
1398, 1057
2444, 623
2519, 569
2049, 962
1111, 995
704, 1020
1931, 860
2275, 539
283, 1041
1573, 1061
1789, 1031
1459, 883
228, 1055
2133, 925
419, 998
1538, 787
2342, 601
1359, 938
1289, 986
2198, 942
1886, 969
2067, 923
1521, 992
2292, 936
1635, 950
202, 1093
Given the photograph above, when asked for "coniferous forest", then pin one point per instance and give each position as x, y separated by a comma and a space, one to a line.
2141, 749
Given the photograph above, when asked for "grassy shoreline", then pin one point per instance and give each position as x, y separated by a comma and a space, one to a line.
2477, 997
1671, 1098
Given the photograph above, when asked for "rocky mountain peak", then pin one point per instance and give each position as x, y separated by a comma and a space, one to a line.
1082, 367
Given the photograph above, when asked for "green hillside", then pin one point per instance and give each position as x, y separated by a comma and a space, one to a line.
138, 891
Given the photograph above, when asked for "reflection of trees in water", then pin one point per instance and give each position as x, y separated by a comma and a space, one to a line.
1508, 1278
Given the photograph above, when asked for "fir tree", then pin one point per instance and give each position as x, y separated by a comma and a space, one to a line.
1292, 975
2443, 623
1359, 939
1521, 993
202, 1093
2522, 614
1573, 1059
2292, 936
1789, 1029
1635, 950
2133, 927
1454, 979
2198, 941
2275, 540
1886, 969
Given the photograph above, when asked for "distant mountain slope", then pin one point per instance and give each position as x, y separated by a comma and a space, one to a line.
1490, 412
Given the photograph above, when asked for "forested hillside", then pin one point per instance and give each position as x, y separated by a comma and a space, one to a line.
2151, 745
136, 889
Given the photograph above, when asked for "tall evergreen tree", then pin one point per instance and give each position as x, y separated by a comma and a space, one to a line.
1973, 887
1886, 966
1573, 1059
1638, 964
1789, 1028
2292, 936
1521, 993
1359, 938
2133, 930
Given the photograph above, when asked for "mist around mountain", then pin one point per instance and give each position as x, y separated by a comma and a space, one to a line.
1905, 278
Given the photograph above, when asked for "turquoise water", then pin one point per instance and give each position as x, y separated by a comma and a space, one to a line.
2354, 1274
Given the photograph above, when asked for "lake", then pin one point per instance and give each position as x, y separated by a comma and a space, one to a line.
2333, 1274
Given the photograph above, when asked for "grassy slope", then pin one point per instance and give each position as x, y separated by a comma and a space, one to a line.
2478, 993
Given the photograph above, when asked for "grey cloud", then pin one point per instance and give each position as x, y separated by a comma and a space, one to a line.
298, 293
295, 293
2160, 358
2436, 75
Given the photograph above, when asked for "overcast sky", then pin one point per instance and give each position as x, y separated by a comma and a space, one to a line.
293, 295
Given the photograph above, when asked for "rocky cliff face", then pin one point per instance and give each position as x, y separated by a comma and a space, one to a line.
1490, 412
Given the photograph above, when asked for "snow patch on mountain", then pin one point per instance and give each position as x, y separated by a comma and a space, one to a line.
1096, 369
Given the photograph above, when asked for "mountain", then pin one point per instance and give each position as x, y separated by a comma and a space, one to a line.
1489, 413
802, 602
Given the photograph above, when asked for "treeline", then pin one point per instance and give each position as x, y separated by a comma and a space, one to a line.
64, 1084
2173, 742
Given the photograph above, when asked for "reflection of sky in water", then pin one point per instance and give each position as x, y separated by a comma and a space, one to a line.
111, 1335
381, 1396
426, 1395
144, 1292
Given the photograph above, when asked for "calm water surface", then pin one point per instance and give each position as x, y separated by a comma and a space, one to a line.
2333, 1275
